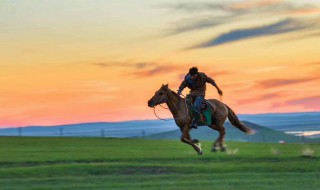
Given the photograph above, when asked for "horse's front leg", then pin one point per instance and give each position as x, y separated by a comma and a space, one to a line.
185, 137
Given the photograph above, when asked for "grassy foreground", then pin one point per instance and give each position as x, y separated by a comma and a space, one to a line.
97, 163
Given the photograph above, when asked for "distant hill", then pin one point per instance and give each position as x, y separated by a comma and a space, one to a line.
288, 122
107, 129
303, 121
263, 134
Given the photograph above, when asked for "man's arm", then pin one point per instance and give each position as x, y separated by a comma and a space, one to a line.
211, 81
182, 86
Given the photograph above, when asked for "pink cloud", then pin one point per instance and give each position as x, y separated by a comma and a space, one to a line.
244, 5
305, 11
312, 102
263, 97
283, 82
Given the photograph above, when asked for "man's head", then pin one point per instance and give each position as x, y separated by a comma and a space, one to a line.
193, 72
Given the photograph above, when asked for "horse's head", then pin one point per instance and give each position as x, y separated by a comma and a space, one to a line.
159, 97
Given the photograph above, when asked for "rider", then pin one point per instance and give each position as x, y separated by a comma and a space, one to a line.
196, 82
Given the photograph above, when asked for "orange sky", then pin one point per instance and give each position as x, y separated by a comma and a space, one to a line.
89, 61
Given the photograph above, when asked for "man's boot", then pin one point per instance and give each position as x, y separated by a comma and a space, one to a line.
194, 123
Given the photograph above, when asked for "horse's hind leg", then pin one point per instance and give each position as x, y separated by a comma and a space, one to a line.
219, 142
222, 134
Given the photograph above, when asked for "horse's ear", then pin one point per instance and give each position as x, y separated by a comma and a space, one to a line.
166, 86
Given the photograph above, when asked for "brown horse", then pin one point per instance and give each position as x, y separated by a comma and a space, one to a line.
180, 112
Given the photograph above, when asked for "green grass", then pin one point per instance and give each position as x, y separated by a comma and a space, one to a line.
97, 163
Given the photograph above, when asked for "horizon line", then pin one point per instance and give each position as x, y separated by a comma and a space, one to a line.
55, 125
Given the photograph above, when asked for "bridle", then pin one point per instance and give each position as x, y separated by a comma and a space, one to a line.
166, 101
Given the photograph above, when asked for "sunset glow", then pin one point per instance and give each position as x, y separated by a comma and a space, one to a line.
89, 61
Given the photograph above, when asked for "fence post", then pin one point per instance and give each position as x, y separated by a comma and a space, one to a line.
302, 137
143, 134
19, 131
61, 131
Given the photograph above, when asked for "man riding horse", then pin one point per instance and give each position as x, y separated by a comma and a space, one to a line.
179, 109
196, 82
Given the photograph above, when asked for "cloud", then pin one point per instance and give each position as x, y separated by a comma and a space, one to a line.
178, 70
188, 25
137, 65
158, 70
308, 102
263, 97
283, 82
265, 69
209, 15
246, 5
301, 37
305, 11
218, 73
193, 7
232, 8
149, 69
154, 71
281, 27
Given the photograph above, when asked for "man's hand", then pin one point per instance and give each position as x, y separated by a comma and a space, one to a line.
220, 92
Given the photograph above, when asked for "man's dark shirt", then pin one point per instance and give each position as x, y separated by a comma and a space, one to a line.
197, 86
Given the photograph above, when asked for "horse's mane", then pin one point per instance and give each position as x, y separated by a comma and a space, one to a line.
174, 93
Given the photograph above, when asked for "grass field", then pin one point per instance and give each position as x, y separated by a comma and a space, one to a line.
101, 163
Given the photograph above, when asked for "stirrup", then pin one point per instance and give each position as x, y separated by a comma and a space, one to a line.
194, 124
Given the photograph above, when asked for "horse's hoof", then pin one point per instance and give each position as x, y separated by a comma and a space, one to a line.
194, 141
199, 149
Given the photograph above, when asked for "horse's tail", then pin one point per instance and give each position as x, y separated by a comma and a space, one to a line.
234, 120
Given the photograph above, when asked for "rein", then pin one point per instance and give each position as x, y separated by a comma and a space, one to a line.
163, 107
185, 103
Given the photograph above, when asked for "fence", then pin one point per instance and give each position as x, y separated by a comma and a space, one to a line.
201, 133
62, 132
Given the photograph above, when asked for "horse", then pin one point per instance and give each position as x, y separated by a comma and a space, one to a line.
179, 109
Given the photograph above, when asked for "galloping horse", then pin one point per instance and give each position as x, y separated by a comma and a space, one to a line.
180, 112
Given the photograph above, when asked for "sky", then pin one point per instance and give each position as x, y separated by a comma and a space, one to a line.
74, 61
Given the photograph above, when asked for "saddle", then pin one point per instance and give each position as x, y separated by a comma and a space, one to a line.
204, 105
205, 117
